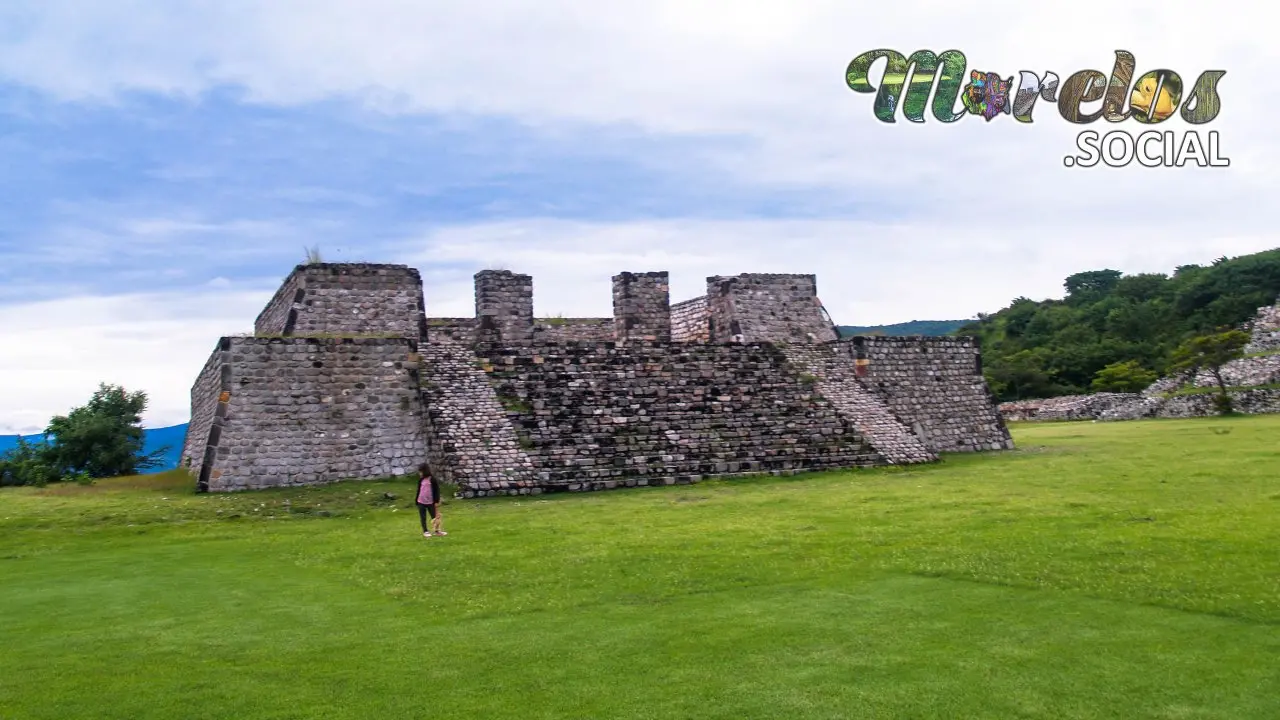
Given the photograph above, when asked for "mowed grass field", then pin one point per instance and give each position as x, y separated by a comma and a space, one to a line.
1126, 570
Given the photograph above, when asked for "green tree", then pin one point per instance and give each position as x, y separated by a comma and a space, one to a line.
1211, 352
101, 439
1091, 284
26, 464
1127, 376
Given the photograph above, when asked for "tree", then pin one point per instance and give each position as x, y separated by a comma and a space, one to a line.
101, 439
1127, 376
1092, 283
25, 464
1211, 352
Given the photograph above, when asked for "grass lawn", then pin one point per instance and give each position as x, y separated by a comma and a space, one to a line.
1117, 570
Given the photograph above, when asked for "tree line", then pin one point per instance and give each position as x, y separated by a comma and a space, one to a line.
1118, 333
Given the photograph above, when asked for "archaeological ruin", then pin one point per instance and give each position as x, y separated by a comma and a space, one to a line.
346, 377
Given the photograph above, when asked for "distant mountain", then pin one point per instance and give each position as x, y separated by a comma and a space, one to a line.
915, 327
155, 438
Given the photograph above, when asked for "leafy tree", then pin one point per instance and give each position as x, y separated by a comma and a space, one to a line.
1211, 352
26, 464
1092, 283
1109, 318
104, 438
1126, 376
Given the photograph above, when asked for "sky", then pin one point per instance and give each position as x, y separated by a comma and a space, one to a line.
164, 163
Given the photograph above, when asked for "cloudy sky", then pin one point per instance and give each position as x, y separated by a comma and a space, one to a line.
166, 161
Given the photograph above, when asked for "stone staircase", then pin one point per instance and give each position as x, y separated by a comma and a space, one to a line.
833, 373
470, 438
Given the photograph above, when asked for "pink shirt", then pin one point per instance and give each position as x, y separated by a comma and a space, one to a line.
424, 492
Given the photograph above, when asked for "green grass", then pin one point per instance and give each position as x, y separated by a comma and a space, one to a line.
1108, 570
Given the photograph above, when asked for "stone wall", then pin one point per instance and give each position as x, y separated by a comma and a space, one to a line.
303, 411
275, 318
642, 306
504, 307
204, 402
935, 386
1265, 330
565, 329
689, 321
346, 299
602, 415
1070, 407
451, 329
833, 373
766, 308
470, 438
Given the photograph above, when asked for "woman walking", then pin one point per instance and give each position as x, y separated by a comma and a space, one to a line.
428, 500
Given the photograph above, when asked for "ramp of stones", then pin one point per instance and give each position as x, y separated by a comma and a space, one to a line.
833, 372
469, 434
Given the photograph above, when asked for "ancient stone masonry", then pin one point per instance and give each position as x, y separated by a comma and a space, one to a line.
689, 321
1070, 407
1265, 330
562, 329
642, 306
828, 367
462, 330
206, 400
603, 415
504, 307
346, 299
301, 411
934, 385
766, 308
748, 379
472, 442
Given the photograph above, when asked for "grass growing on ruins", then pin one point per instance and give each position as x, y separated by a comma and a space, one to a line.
1103, 570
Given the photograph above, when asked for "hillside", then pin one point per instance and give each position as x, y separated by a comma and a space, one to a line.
1047, 348
915, 327
155, 438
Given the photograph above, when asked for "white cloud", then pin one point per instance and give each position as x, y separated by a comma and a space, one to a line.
978, 213
55, 353
771, 72
868, 273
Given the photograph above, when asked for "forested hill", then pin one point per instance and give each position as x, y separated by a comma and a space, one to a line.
915, 327
1046, 348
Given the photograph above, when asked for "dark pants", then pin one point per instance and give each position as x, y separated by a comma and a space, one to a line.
422, 514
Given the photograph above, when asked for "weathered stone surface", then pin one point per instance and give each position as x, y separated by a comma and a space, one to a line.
505, 404
302, 411
471, 442
642, 306
689, 321
504, 307
934, 385
1265, 330
346, 299
833, 374
1070, 407
600, 415
564, 329
766, 308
